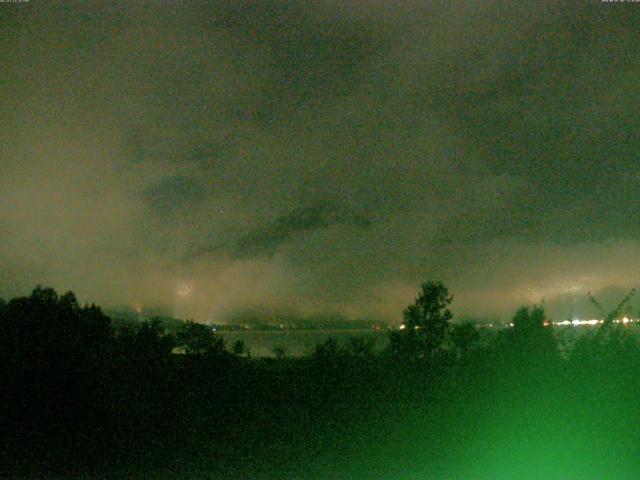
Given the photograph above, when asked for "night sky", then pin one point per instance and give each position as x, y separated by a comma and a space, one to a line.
321, 156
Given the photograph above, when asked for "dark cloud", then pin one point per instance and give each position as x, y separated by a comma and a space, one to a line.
490, 144
175, 192
291, 231
266, 240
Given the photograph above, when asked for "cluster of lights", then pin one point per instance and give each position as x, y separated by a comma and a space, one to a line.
403, 327
564, 323
577, 323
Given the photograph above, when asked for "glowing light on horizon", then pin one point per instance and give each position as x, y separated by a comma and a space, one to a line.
578, 323
184, 289
183, 292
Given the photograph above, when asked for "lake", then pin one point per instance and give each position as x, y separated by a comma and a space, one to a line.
297, 343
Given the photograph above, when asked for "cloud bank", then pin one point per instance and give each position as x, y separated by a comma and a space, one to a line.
320, 155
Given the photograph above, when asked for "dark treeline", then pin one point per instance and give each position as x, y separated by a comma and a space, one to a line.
83, 397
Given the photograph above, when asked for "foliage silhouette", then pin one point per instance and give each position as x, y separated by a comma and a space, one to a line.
145, 342
280, 351
361, 348
611, 342
328, 352
239, 348
199, 339
530, 341
464, 337
83, 395
617, 312
426, 324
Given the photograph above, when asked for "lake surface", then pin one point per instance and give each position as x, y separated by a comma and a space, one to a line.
297, 343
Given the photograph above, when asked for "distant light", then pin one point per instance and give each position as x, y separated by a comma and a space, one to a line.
402, 327
578, 323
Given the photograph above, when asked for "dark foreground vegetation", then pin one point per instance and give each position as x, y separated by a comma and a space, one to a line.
81, 398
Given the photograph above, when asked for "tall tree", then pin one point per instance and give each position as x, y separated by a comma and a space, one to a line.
532, 336
426, 323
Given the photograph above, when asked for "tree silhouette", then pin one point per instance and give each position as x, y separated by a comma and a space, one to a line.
199, 339
280, 351
426, 323
239, 348
463, 337
328, 349
528, 322
54, 354
361, 348
45, 325
531, 340
149, 342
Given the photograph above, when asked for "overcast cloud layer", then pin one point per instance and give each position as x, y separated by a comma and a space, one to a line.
321, 155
